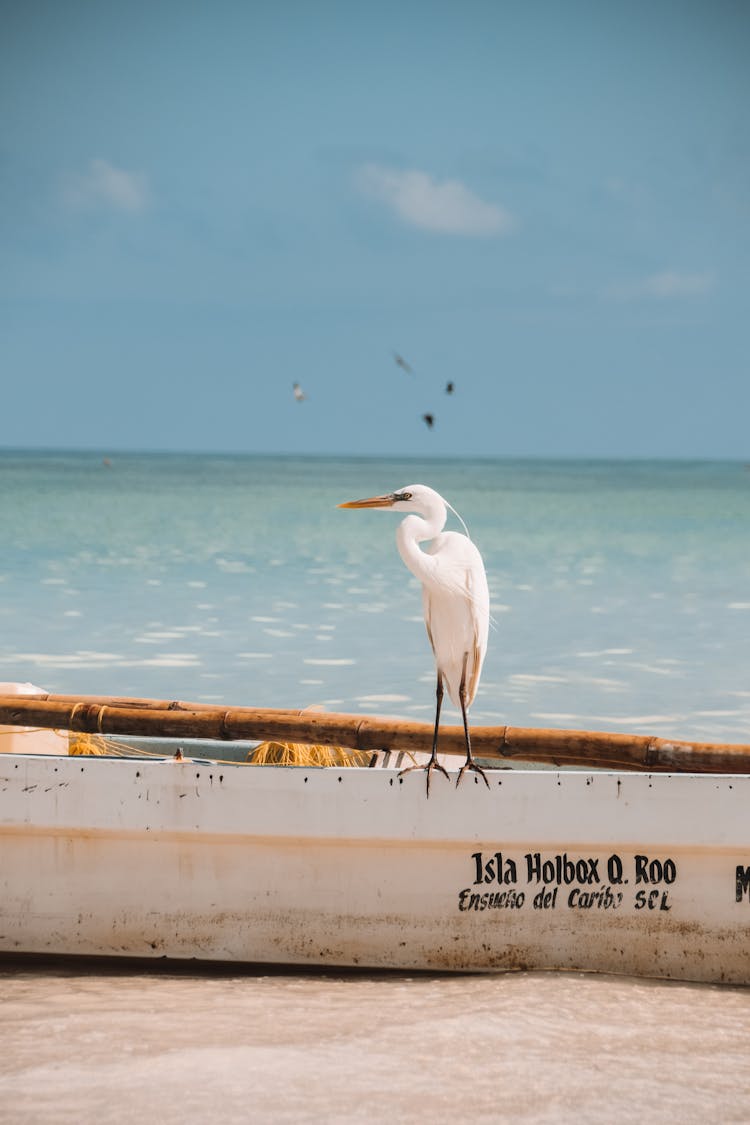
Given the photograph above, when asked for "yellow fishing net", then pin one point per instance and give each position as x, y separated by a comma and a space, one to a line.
305, 754
80, 744
87, 744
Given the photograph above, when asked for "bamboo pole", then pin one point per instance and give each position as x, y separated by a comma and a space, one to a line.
113, 715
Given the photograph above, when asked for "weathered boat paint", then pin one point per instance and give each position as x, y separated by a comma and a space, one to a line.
629, 873
29, 740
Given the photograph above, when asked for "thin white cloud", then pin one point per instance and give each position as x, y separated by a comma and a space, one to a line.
419, 200
664, 286
104, 184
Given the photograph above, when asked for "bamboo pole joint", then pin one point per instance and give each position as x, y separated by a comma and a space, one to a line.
111, 715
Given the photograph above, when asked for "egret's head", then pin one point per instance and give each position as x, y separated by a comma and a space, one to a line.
419, 498
412, 498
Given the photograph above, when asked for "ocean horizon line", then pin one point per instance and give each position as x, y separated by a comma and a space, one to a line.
108, 453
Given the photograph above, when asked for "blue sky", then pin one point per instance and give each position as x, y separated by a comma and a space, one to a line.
546, 203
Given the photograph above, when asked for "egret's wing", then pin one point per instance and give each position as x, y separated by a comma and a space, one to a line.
428, 616
456, 609
459, 572
474, 668
479, 603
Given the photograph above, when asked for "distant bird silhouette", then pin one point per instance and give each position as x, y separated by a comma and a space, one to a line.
449, 388
401, 362
299, 394
429, 420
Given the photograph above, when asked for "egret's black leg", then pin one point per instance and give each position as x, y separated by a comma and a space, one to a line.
433, 763
469, 764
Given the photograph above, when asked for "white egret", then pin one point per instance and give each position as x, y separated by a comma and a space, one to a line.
455, 599
299, 394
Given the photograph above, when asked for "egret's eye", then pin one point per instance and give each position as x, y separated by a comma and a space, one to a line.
402, 496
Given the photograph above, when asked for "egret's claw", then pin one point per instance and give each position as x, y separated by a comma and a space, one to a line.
433, 764
470, 764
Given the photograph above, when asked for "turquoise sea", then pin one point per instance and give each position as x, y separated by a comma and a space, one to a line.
620, 590
621, 600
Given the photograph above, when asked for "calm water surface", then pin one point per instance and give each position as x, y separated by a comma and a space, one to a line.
620, 591
621, 597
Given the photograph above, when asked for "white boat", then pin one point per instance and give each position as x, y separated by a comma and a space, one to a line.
546, 869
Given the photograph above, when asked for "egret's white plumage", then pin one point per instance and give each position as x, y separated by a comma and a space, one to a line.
455, 597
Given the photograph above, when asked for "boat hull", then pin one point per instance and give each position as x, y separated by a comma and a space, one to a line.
625, 873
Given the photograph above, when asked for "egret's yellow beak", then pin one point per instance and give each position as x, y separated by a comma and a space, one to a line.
371, 502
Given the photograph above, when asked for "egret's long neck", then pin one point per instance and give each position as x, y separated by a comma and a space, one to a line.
415, 530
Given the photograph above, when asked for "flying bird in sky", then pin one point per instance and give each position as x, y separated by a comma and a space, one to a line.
429, 420
401, 362
299, 394
455, 599
449, 388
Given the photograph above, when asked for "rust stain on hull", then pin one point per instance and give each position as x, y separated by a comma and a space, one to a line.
677, 951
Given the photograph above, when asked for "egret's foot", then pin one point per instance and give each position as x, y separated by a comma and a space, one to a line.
470, 764
433, 764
